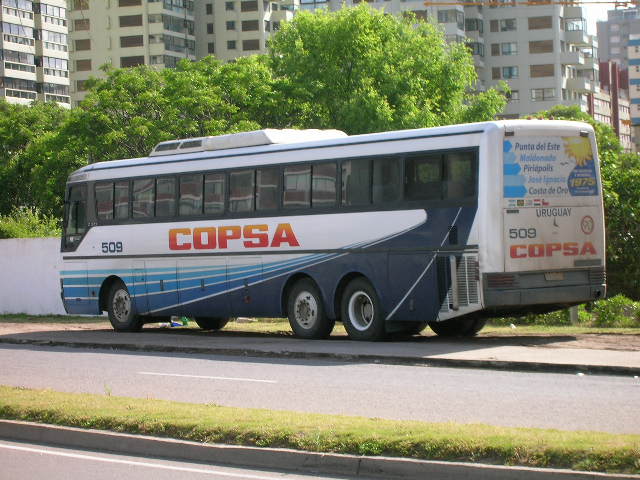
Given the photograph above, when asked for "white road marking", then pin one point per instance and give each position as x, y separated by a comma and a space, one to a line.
137, 464
233, 379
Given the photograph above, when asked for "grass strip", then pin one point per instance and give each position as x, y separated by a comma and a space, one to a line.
590, 451
24, 318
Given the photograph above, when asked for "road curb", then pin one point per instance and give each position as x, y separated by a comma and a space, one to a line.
278, 459
364, 358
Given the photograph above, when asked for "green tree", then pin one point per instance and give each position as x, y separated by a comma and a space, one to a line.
21, 128
621, 184
361, 70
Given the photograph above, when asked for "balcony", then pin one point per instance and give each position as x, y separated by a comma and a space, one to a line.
580, 84
572, 58
573, 12
577, 37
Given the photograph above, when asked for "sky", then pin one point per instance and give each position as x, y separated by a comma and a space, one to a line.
595, 13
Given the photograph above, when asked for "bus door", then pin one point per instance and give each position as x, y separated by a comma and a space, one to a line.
202, 284
242, 274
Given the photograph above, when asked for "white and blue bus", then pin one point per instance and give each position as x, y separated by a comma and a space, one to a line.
385, 232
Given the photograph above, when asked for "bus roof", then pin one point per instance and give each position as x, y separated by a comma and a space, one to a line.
272, 140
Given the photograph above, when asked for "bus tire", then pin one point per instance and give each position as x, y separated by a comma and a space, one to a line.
305, 310
121, 312
458, 327
211, 323
361, 311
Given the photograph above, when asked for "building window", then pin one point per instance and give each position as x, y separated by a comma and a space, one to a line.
131, 61
510, 72
131, 21
476, 48
209, 28
513, 95
253, 44
209, 8
507, 24
231, 44
473, 25
509, 48
250, 25
495, 73
211, 47
81, 85
249, 6
132, 41
546, 70
83, 65
542, 94
84, 44
539, 23
231, 25
129, 3
82, 24
229, 6
81, 5
541, 46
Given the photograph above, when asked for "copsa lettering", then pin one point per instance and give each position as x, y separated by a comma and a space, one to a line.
211, 238
537, 250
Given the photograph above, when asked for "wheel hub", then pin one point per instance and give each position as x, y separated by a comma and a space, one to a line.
306, 309
361, 311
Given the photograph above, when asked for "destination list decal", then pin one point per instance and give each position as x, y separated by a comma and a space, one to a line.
539, 168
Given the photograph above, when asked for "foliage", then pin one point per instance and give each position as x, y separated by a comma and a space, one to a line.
361, 70
615, 312
621, 185
28, 222
22, 129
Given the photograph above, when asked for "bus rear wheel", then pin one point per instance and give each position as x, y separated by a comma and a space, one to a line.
120, 309
305, 310
361, 311
211, 323
458, 327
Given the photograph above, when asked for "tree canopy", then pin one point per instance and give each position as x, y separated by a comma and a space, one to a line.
361, 70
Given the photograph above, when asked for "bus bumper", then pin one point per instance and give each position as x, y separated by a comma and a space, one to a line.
557, 289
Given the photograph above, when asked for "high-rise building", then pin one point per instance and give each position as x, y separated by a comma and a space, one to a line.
230, 29
33, 51
126, 33
619, 37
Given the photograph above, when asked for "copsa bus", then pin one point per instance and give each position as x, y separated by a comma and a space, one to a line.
385, 232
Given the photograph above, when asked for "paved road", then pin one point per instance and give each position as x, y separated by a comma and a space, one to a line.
570, 402
27, 461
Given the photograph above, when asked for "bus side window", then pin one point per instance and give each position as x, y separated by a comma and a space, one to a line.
424, 177
165, 197
241, 191
267, 188
214, 190
356, 182
296, 192
121, 203
104, 200
143, 198
460, 176
387, 180
324, 185
190, 202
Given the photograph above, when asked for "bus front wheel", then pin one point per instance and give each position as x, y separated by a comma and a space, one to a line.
305, 310
211, 323
361, 311
458, 327
120, 309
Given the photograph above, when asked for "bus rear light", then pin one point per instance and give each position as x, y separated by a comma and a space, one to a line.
501, 280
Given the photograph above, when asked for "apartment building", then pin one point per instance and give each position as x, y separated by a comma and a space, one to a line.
126, 33
234, 28
614, 98
619, 36
33, 51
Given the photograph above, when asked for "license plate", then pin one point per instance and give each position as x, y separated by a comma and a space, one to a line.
554, 276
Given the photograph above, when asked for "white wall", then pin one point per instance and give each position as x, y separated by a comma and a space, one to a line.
29, 276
